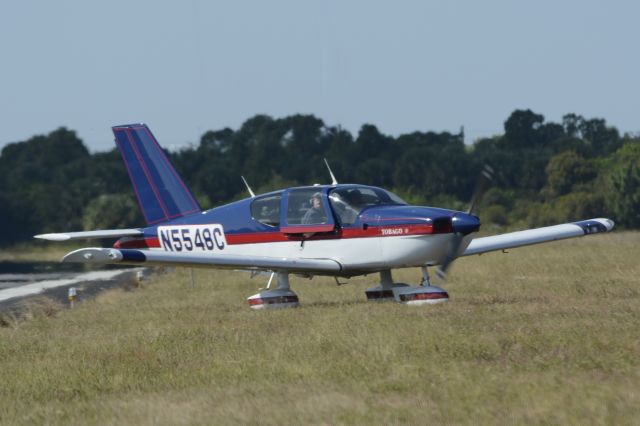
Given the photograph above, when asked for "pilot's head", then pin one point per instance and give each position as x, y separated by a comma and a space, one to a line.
355, 197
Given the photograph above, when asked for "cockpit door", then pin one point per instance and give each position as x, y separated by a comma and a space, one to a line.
305, 211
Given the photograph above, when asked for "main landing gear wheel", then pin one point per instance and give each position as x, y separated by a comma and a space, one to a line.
385, 291
423, 294
281, 297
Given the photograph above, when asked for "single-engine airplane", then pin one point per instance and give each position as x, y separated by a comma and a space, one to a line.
339, 230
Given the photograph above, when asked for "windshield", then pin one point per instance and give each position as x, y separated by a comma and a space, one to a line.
348, 202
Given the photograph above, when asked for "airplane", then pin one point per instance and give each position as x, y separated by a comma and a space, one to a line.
337, 230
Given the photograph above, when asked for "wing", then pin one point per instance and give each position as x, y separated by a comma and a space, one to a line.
538, 235
149, 257
88, 235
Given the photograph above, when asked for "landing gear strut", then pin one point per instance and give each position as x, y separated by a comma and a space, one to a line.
281, 297
425, 293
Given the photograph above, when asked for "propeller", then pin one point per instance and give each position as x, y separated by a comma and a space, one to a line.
483, 183
465, 223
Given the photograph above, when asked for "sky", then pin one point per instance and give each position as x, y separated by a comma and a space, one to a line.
191, 66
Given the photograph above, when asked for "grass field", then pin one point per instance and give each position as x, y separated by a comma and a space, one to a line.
547, 334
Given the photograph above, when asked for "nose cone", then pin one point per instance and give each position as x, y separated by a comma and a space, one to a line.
465, 223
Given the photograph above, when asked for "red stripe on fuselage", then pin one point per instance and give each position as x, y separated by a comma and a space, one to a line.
141, 243
277, 236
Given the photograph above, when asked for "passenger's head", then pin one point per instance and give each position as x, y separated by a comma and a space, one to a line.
316, 200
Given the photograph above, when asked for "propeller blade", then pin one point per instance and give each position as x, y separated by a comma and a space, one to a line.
466, 224
485, 179
441, 272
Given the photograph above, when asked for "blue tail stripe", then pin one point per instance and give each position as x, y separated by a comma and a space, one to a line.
147, 200
158, 185
161, 193
174, 195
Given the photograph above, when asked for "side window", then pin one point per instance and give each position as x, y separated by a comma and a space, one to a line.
305, 207
267, 209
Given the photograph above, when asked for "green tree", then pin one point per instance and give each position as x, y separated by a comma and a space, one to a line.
603, 140
545, 172
624, 185
566, 170
44, 182
521, 129
112, 211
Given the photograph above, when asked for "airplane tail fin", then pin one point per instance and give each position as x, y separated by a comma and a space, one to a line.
161, 193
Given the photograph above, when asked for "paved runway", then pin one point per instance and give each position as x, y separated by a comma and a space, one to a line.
22, 280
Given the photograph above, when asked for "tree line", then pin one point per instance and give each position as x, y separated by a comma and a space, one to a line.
546, 172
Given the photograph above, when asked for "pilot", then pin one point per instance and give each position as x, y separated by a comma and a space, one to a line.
355, 199
355, 203
315, 214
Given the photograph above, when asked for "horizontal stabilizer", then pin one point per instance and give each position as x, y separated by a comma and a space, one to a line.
88, 235
149, 257
538, 235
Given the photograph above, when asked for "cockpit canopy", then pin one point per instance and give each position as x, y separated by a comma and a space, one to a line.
297, 209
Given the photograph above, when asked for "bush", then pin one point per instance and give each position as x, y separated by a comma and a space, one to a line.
495, 214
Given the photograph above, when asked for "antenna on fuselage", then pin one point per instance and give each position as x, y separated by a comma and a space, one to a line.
333, 178
248, 187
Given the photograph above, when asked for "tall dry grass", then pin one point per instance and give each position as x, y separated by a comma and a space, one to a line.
546, 334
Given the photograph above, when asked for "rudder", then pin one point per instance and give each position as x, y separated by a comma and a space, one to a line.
161, 193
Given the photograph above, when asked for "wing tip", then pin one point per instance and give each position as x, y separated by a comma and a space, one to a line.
52, 237
591, 226
608, 223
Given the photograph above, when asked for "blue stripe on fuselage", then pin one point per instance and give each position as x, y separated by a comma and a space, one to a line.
130, 255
